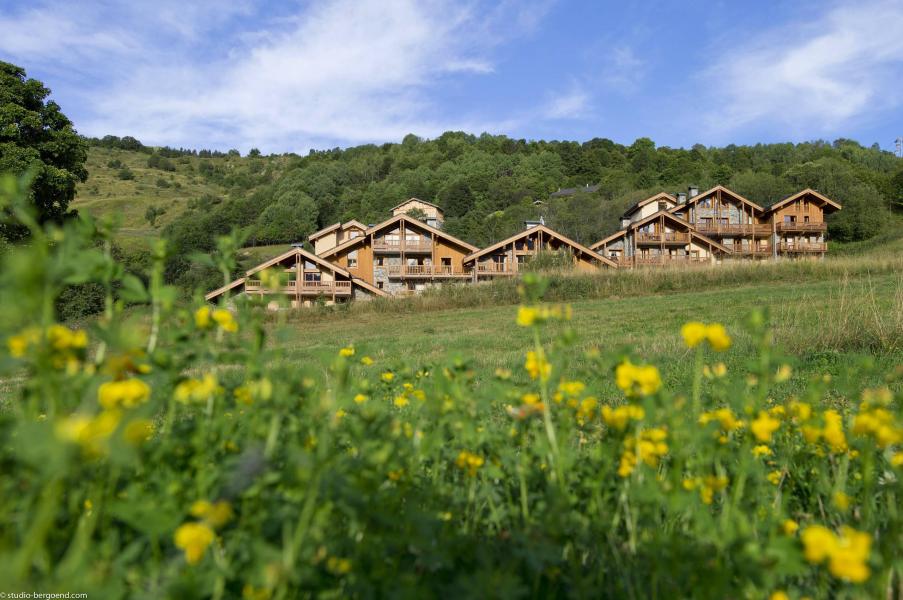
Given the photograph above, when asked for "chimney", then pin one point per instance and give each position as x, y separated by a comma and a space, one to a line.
681, 197
693, 191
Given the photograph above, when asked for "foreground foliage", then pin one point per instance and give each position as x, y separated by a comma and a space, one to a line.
179, 456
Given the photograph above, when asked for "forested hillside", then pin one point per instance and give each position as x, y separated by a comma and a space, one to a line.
486, 184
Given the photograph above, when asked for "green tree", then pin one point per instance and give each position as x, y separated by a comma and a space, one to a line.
35, 135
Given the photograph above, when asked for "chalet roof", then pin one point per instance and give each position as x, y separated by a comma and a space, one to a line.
418, 200
587, 189
661, 213
659, 196
303, 254
546, 230
222, 290
798, 195
352, 223
610, 238
379, 226
717, 188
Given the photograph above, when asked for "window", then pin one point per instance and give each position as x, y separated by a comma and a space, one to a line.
788, 219
806, 219
352, 259
379, 284
663, 206
379, 261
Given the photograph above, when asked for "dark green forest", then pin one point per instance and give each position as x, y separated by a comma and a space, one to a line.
488, 184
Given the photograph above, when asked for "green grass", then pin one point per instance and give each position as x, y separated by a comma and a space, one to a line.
827, 326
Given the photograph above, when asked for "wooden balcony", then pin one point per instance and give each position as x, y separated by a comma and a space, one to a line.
802, 247
493, 268
733, 229
668, 237
430, 271
661, 261
315, 288
385, 245
797, 226
748, 250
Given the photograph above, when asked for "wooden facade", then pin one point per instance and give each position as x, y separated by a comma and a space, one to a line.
718, 224
432, 214
403, 255
508, 257
303, 279
659, 239
332, 236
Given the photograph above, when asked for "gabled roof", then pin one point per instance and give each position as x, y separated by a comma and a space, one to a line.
645, 201
717, 188
389, 222
222, 290
710, 241
798, 195
303, 254
546, 230
417, 200
610, 238
661, 213
368, 287
318, 234
352, 223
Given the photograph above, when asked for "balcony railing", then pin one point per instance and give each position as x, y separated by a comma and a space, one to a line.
803, 247
494, 268
750, 250
733, 228
797, 226
306, 287
643, 237
386, 245
641, 261
425, 271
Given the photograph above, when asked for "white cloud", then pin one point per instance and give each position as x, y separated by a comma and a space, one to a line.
573, 104
816, 76
337, 72
623, 69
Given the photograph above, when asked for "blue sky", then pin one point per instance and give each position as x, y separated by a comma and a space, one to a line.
303, 75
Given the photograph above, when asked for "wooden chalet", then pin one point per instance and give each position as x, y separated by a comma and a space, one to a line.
717, 224
402, 255
332, 236
661, 238
305, 278
730, 219
798, 224
433, 215
509, 256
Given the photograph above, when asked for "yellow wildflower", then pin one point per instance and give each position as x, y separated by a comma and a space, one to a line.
90, 433
841, 500
779, 595
694, 333
847, 554
197, 390
833, 432
790, 527
193, 539
537, 366
251, 391
637, 380
202, 317
783, 374
338, 566
225, 320
710, 486
216, 514
469, 462
388, 376
761, 450
718, 338
764, 426
127, 393
775, 477
366, 361
401, 401
801, 411
527, 315
620, 416
360, 398
347, 352
818, 543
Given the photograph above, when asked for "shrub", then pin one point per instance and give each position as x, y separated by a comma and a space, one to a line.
125, 174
